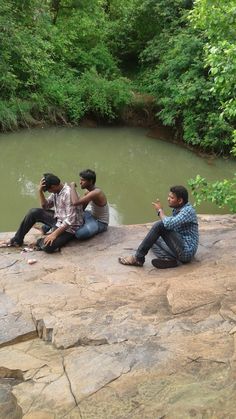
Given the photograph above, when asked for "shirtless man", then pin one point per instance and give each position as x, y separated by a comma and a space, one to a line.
96, 219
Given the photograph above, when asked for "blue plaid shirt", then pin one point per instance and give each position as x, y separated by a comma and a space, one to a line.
184, 221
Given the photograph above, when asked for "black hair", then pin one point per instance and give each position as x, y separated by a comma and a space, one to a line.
50, 180
88, 174
180, 192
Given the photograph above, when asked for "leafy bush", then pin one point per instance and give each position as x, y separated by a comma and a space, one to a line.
106, 98
184, 91
15, 113
63, 59
219, 28
222, 193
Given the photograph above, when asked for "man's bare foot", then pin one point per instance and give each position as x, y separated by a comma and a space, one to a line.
9, 243
3, 244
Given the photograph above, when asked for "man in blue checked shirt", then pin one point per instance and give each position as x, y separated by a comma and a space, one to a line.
174, 239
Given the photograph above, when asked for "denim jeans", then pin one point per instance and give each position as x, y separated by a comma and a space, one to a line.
166, 244
90, 228
40, 215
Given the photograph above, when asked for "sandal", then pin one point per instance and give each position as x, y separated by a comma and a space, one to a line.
130, 261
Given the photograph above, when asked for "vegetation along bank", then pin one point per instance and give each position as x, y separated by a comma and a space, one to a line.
64, 60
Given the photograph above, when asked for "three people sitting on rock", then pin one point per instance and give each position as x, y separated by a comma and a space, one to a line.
173, 239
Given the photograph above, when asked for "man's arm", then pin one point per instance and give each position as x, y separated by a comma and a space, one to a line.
45, 203
49, 239
84, 200
42, 198
158, 207
185, 216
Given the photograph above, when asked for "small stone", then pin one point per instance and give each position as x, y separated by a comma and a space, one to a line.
31, 261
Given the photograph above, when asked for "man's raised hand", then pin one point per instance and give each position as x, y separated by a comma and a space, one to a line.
157, 204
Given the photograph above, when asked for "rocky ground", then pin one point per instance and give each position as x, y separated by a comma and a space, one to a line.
84, 337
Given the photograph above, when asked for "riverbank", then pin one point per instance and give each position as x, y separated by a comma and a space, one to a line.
141, 113
83, 336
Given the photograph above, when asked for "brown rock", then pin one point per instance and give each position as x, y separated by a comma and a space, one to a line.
119, 342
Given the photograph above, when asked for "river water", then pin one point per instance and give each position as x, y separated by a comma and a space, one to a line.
132, 169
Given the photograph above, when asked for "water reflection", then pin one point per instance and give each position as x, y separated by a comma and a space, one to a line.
27, 187
115, 217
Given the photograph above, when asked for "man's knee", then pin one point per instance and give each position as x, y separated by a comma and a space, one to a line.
34, 212
158, 227
84, 233
87, 230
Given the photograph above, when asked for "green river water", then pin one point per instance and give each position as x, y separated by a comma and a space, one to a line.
132, 169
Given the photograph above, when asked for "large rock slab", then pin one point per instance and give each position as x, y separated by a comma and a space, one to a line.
82, 336
14, 325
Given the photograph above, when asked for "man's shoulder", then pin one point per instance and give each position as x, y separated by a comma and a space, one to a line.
188, 209
66, 191
98, 194
66, 188
188, 206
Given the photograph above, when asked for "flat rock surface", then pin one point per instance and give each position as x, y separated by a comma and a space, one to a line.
84, 337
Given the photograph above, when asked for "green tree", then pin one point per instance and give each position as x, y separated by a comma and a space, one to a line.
222, 193
219, 28
49, 49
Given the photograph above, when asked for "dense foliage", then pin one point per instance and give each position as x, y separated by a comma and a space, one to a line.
56, 64
222, 193
180, 73
64, 59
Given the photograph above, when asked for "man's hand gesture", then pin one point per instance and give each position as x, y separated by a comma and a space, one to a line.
157, 205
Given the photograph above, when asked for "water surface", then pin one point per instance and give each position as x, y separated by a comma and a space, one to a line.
132, 169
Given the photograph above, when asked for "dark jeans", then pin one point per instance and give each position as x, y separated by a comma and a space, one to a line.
40, 215
174, 242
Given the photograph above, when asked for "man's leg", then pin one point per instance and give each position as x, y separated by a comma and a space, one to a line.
172, 252
162, 251
33, 216
102, 227
60, 241
156, 231
174, 242
89, 229
168, 249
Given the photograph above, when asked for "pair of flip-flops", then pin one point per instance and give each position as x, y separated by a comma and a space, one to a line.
130, 261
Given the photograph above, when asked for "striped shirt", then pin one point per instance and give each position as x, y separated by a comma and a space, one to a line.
65, 213
184, 221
